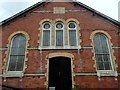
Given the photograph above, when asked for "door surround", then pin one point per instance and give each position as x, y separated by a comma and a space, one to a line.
59, 54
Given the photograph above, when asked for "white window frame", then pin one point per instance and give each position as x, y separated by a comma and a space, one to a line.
43, 29
13, 73
72, 29
62, 29
111, 72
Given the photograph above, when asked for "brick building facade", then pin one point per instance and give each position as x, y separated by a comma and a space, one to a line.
60, 44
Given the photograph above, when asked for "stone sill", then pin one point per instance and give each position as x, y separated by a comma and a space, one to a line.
13, 74
106, 73
64, 47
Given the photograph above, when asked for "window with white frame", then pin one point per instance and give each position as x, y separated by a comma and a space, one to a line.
59, 35
102, 52
46, 29
72, 34
59, 28
17, 53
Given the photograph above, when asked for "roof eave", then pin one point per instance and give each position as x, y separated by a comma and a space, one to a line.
79, 3
98, 13
22, 12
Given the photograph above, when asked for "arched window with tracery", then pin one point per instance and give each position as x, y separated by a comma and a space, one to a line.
17, 53
72, 35
46, 29
102, 52
59, 34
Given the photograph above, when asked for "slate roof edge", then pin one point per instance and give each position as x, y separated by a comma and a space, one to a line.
22, 12
79, 3
99, 13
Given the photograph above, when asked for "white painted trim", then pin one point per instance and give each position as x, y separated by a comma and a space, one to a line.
62, 29
111, 59
54, 48
13, 74
46, 30
34, 74
106, 73
10, 46
86, 74
108, 53
72, 29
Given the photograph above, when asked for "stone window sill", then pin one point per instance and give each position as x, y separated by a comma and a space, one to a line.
106, 73
13, 74
58, 47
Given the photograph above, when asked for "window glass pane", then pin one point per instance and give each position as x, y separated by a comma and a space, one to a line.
46, 26
59, 38
12, 63
59, 25
14, 51
106, 57
46, 38
20, 63
15, 42
17, 49
22, 42
104, 44
71, 25
100, 65
21, 51
97, 44
107, 66
102, 52
99, 58
72, 38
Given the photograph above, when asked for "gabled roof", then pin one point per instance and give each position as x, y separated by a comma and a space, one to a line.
95, 12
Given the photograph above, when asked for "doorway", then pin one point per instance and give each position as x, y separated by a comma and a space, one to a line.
60, 73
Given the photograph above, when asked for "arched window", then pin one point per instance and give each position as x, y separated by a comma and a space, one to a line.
46, 28
102, 52
72, 33
59, 27
17, 53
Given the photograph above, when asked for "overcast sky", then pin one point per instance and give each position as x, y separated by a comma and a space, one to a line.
11, 7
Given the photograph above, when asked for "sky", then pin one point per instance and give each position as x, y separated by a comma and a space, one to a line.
9, 8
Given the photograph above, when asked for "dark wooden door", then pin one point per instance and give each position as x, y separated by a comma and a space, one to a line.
60, 73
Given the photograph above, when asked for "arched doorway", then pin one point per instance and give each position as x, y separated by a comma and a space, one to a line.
59, 75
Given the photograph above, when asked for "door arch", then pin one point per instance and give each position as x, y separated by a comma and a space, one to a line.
55, 55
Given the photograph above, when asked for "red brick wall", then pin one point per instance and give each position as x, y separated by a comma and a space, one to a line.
88, 24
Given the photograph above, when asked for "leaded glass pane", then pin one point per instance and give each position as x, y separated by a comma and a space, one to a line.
18, 46
100, 65
59, 38
97, 44
102, 52
14, 51
99, 58
59, 25
46, 38
12, 63
72, 38
107, 65
21, 51
20, 63
104, 44
46, 26
106, 57
71, 25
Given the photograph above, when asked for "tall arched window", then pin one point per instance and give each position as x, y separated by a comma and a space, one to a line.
72, 34
102, 52
17, 53
59, 34
46, 34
